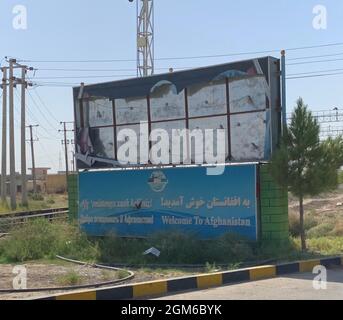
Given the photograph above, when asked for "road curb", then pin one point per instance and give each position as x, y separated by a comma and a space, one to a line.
199, 282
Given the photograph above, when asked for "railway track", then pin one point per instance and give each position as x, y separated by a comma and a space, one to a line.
9, 221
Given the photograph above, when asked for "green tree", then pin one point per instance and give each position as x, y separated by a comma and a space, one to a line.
303, 164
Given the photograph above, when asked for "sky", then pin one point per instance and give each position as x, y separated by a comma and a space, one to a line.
104, 29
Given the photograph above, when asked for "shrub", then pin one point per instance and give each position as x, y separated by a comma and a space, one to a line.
338, 229
286, 250
113, 249
294, 223
176, 248
121, 274
210, 268
310, 222
40, 239
340, 177
50, 200
72, 278
327, 245
36, 197
320, 231
231, 248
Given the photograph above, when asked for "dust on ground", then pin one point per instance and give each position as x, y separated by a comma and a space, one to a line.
55, 275
329, 204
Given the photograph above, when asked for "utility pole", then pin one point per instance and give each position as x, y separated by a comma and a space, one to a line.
65, 130
66, 148
145, 37
12, 83
33, 159
13, 183
4, 137
283, 91
23, 139
73, 160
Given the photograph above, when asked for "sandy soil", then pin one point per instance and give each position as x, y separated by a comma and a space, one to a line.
327, 203
54, 275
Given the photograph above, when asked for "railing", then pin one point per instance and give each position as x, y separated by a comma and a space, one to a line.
13, 220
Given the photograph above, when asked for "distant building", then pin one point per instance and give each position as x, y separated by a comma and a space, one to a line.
41, 173
46, 183
56, 183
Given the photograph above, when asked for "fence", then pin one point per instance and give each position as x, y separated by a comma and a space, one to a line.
10, 221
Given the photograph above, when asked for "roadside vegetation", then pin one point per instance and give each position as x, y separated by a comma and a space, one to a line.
39, 202
42, 240
305, 165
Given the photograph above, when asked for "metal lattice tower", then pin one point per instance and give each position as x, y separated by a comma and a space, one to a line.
145, 38
331, 122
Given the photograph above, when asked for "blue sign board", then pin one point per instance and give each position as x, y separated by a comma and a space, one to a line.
139, 203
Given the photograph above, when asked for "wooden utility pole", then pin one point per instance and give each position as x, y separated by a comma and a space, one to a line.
33, 159
4, 138
13, 182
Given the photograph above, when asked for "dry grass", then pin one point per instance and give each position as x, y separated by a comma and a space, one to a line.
46, 202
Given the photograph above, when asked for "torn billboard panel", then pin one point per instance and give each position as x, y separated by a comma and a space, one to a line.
242, 98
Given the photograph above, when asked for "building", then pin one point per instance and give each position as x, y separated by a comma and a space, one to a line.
55, 183
41, 173
47, 183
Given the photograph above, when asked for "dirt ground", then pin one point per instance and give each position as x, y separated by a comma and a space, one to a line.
55, 275
327, 207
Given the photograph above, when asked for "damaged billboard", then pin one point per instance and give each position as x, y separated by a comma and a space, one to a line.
240, 98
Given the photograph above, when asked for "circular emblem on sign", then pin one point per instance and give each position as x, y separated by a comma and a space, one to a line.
158, 181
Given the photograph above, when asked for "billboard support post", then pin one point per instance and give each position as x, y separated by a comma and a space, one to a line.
283, 94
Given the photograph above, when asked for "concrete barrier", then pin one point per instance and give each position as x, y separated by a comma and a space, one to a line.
198, 282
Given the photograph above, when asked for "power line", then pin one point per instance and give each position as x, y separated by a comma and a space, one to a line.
100, 70
85, 77
35, 119
45, 106
315, 76
46, 152
55, 84
188, 57
319, 56
41, 112
85, 70
132, 75
311, 62
318, 71
290, 77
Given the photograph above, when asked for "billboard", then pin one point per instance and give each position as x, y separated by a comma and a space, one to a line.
139, 203
241, 98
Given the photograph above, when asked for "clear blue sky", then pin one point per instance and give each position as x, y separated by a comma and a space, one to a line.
104, 29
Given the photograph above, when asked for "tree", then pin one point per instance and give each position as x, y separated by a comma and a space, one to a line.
303, 164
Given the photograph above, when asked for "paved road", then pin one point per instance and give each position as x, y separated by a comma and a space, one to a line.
291, 287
